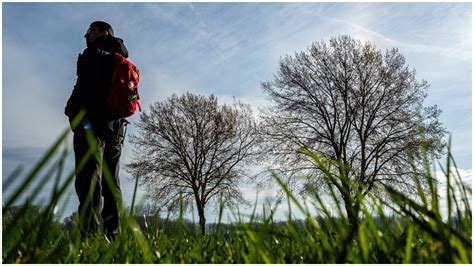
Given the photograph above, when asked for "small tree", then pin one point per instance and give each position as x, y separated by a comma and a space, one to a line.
192, 150
359, 108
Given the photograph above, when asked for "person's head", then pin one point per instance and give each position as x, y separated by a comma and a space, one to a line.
96, 30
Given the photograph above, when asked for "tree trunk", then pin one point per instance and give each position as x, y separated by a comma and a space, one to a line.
352, 207
202, 219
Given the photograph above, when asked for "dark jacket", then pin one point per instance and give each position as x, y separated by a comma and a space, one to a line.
94, 74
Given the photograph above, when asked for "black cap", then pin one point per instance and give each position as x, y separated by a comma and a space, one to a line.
103, 26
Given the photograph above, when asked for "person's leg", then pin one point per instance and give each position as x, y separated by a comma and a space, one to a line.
111, 182
88, 150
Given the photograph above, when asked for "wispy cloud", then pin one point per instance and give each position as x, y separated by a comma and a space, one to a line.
440, 30
456, 52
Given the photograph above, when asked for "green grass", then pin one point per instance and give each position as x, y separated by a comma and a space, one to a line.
412, 232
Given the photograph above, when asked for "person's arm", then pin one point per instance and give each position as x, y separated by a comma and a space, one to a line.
93, 72
76, 100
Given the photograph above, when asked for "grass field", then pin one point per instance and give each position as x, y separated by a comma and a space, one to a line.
412, 232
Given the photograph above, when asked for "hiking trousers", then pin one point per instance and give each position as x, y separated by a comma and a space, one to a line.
97, 181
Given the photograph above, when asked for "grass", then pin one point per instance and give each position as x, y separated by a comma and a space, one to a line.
413, 231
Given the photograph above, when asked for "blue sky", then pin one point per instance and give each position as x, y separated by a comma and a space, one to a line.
225, 49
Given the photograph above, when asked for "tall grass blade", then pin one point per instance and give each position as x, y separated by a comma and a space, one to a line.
12, 177
34, 172
134, 195
42, 162
408, 245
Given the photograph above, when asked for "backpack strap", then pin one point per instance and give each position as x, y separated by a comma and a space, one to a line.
116, 59
139, 107
122, 130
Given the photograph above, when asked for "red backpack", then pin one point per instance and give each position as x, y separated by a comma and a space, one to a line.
122, 100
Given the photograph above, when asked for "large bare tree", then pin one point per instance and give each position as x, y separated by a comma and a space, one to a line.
356, 106
193, 150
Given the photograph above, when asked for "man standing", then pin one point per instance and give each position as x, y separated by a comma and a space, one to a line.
98, 139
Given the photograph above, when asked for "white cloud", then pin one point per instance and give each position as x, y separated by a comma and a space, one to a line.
32, 115
360, 24
456, 176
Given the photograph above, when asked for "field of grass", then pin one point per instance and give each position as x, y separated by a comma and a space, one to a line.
413, 232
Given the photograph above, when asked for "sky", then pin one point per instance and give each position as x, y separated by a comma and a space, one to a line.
225, 49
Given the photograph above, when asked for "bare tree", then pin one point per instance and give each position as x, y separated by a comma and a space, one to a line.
192, 150
353, 105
